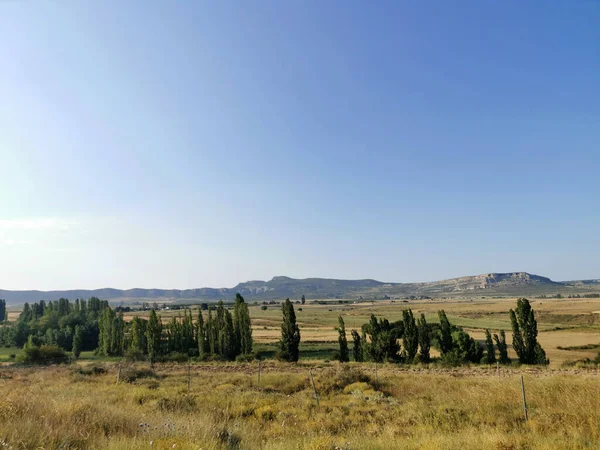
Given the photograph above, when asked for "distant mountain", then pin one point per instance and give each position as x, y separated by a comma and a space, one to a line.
514, 283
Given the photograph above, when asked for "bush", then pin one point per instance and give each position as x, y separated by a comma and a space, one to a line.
46, 354
92, 370
264, 307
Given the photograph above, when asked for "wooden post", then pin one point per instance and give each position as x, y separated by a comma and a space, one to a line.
119, 374
497, 368
314, 387
189, 376
524, 400
376, 377
259, 373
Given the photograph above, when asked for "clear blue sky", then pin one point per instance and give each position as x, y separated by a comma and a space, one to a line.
187, 144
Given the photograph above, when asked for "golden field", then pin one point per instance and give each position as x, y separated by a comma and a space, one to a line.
405, 408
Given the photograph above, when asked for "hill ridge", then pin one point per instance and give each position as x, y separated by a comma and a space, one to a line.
279, 287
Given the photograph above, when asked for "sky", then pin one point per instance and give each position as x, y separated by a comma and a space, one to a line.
191, 144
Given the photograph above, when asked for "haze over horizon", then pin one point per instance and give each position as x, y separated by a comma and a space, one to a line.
202, 145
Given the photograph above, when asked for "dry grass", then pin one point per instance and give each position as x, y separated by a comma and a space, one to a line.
407, 408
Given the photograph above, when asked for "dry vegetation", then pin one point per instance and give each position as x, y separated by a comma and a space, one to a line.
77, 407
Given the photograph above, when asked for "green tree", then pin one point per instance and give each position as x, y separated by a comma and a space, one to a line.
357, 349
242, 326
201, 336
138, 342
2, 310
410, 339
465, 347
380, 339
154, 336
445, 335
227, 337
303, 299
77, 341
211, 334
490, 353
111, 333
502, 348
342, 340
525, 332
290, 333
424, 340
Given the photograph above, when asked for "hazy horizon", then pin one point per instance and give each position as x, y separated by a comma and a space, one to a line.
194, 145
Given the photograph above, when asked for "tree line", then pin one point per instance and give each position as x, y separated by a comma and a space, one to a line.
409, 340
222, 335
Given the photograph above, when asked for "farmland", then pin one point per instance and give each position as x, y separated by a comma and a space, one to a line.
107, 402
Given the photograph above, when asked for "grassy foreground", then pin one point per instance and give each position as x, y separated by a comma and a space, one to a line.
77, 407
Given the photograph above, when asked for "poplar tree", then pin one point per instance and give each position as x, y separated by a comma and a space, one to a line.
138, 342
490, 353
424, 340
342, 340
77, 341
445, 335
201, 336
242, 326
357, 349
410, 339
2, 310
154, 336
227, 337
502, 347
290, 333
525, 332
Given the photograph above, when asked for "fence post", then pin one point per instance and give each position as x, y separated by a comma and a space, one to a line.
497, 368
376, 377
119, 374
259, 373
524, 400
314, 387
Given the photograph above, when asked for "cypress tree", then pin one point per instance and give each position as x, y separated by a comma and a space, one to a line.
77, 341
154, 336
290, 333
2, 310
502, 347
424, 340
303, 299
410, 339
343, 341
445, 336
357, 349
490, 353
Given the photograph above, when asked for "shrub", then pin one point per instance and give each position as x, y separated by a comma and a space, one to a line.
46, 354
